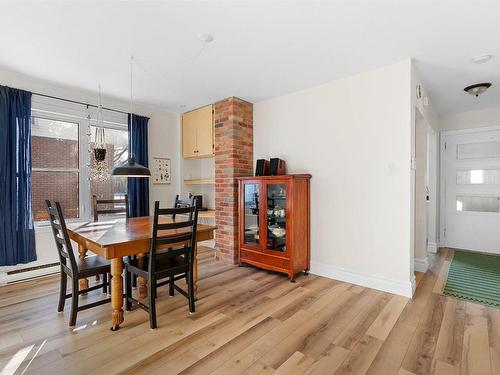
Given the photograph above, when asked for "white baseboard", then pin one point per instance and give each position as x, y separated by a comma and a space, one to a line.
405, 289
413, 284
432, 247
421, 265
6, 279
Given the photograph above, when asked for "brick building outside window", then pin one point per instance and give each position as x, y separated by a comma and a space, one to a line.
56, 148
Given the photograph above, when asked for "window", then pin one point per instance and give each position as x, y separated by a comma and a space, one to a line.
63, 163
478, 176
55, 163
481, 150
102, 184
478, 204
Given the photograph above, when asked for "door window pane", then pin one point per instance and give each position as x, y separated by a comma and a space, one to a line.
481, 150
478, 204
251, 219
478, 176
276, 217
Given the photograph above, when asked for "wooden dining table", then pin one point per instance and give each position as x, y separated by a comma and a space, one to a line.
114, 239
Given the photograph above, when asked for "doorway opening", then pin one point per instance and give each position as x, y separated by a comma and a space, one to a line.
425, 187
470, 190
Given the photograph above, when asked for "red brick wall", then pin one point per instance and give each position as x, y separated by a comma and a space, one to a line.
62, 186
233, 158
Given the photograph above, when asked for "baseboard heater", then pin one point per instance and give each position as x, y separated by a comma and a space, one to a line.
34, 268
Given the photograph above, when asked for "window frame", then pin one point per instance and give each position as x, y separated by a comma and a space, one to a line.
78, 115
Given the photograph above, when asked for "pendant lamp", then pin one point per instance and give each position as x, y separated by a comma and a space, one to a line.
131, 168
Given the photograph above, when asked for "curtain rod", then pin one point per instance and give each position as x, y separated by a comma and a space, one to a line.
77, 102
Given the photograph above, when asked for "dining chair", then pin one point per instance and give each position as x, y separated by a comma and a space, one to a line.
76, 269
178, 203
121, 208
174, 264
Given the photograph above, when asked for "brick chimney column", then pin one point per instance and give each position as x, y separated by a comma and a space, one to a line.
233, 158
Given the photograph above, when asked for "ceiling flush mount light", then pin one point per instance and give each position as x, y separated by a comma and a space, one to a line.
482, 59
206, 38
477, 89
131, 168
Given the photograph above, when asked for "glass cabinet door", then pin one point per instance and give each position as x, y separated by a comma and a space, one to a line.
251, 219
276, 217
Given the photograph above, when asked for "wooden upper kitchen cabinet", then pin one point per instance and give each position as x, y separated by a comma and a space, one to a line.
198, 133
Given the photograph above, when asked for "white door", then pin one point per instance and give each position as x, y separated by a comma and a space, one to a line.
472, 190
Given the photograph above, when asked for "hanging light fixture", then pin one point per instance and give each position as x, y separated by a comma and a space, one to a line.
100, 140
131, 168
477, 89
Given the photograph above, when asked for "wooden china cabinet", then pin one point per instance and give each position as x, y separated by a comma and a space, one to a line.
274, 231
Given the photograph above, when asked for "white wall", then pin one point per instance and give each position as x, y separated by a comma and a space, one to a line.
424, 213
420, 244
353, 135
470, 119
199, 168
163, 138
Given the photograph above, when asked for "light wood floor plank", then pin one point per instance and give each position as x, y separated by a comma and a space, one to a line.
295, 365
385, 321
250, 321
419, 356
442, 368
361, 357
451, 333
476, 350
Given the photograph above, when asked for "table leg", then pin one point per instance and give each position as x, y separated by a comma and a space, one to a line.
116, 292
82, 253
143, 283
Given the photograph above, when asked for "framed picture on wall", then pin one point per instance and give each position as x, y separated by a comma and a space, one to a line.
161, 170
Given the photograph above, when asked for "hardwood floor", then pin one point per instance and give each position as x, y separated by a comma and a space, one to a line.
250, 321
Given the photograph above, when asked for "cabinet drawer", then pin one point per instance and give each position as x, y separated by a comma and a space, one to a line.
270, 260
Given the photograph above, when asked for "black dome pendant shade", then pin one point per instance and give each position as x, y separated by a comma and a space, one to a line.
131, 169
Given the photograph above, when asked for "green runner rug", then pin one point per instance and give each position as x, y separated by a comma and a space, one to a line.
474, 277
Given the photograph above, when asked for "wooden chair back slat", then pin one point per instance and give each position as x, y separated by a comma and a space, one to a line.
111, 201
180, 203
187, 237
61, 237
107, 211
175, 225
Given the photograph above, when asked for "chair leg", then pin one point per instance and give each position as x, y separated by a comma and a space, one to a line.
62, 291
74, 302
191, 293
152, 303
134, 281
105, 282
171, 286
128, 291
134, 277
97, 277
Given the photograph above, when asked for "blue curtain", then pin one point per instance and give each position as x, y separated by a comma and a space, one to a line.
138, 187
17, 234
